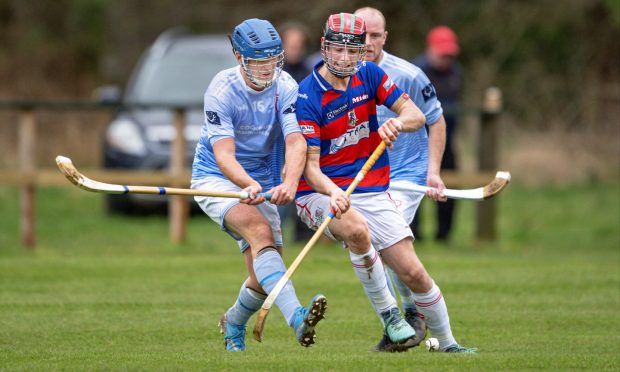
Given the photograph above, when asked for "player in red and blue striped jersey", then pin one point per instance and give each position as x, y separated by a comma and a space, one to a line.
337, 113
416, 158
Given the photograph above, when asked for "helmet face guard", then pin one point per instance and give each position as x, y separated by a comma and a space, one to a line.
344, 44
260, 49
262, 72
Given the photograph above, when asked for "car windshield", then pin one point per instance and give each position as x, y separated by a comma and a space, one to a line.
181, 75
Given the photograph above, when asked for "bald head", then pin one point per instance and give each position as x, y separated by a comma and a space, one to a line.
375, 32
371, 14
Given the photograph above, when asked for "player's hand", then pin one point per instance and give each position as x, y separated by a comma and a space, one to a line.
437, 187
283, 193
252, 190
339, 202
390, 130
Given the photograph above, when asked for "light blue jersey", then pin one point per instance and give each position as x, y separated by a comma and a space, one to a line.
409, 159
258, 122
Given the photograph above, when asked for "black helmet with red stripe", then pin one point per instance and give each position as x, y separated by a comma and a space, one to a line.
344, 44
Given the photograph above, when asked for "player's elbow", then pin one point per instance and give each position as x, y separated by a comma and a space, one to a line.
418, 119
296, 142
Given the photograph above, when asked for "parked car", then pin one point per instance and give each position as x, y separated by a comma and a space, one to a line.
176, 69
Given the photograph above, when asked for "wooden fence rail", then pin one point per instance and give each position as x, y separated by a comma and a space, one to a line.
28, 177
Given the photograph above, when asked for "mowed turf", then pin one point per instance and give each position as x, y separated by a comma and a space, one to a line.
103, 293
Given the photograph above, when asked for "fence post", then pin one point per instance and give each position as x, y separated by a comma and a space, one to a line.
487, 159
177, 205
27, 167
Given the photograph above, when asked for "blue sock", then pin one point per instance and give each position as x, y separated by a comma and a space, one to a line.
388, 279
406, 294
269, 268
248, 302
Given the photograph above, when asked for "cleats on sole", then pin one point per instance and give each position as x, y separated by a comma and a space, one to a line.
317, 312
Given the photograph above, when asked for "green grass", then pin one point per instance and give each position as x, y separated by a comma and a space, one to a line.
103, 293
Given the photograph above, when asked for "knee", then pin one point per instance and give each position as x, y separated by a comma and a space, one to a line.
358, 235
262, 230
415, 275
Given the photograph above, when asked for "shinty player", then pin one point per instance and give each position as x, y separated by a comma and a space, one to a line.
337, 111
416, 158
248, 110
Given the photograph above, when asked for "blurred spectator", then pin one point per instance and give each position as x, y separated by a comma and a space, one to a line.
441, 66
295, 43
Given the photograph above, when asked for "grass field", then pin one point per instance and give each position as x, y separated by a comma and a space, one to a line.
103, 293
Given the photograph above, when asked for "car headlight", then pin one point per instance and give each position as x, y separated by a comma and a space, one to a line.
124, 135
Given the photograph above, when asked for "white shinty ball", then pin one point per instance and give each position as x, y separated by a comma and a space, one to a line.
432, 344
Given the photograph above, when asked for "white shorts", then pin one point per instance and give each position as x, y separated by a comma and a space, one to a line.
216, 208
386, 224
406, 200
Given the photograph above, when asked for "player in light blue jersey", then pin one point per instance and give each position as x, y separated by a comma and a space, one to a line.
249, 114
415, 158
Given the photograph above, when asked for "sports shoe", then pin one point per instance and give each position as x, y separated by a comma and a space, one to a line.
385, 345
396, 328
415, 320
234, 335
456, 348
305, 319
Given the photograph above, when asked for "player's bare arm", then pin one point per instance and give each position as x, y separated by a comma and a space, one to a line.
339, 202
224, 151
295, 159
409, 119
436, 146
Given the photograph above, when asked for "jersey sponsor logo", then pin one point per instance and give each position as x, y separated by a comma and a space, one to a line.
291, 109
213, 118
352, 118
253, 129
350, 137
360, 98
302, 95
388, 84
307, 129
333, 113
428, 92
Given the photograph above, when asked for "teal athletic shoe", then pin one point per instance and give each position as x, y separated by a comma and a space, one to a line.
397, 329
305, 319
234, 335
456, 348
415, 320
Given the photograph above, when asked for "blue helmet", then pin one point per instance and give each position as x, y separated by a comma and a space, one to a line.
256, 39
260, 47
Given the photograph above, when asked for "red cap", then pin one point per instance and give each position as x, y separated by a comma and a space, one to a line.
442, 40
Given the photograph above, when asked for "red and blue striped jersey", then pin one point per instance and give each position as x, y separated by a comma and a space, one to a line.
344, 125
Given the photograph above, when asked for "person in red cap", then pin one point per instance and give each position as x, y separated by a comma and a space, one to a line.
440, 64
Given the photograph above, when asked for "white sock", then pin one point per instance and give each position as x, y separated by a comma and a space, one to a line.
369, 269
432, 305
